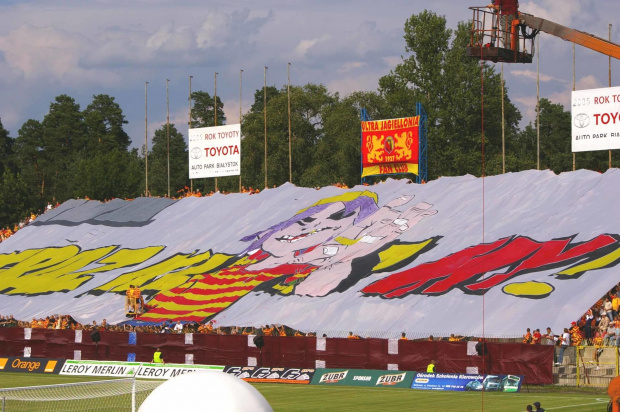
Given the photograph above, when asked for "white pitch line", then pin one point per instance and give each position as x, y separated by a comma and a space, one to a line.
575, 406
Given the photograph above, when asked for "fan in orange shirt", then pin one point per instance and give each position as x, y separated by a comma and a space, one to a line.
527, 338
597, 341
352, 336
575, 334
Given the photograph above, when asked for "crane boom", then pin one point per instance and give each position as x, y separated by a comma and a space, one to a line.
576, 36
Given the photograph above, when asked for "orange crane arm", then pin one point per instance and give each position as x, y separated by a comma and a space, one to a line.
578, 37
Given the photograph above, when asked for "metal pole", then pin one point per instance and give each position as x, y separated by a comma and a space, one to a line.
538, 103
503, 127
215, 115
240, 83
191, 181
574, 163
265, 115
146, 141
290, 155
168, 132
609, 84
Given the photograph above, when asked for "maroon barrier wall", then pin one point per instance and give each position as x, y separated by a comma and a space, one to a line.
535, 362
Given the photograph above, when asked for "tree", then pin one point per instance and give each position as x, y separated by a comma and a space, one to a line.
115, 174
6, 148
104, 120
202, 110
309, 105
64, 140
15, 200
158, 162
31, 158
448, 84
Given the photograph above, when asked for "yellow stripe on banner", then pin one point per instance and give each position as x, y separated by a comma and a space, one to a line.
390, 168
397, 253
3, 362
203, 314
595, 264
241, 284
244, 275
205, 298
181, 306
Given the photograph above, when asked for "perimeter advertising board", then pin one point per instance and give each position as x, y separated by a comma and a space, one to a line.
215, 151
390, 146
131, 369
271, 375
595, 119
31, 365
467, 382
363, 377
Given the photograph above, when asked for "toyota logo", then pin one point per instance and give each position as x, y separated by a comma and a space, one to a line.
196, 153
581, 120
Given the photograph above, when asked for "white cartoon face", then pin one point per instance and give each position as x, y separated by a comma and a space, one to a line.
310, 231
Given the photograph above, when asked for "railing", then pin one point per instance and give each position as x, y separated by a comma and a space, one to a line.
499, 38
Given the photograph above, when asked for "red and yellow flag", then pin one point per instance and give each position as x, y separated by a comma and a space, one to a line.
390, 146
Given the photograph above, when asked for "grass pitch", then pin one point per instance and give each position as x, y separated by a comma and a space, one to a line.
287, 398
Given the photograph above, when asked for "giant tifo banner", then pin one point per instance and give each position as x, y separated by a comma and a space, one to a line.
215, 151
390, 146
394, 257
596, 119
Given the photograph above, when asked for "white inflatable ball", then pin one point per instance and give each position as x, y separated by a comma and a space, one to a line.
205, 391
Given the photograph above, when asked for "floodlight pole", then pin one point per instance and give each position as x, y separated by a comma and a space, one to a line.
574, 90
609, 85
240, 83
146, 141
538, 103
290, 153
503, 126
191, 181
215, 114
168, 132
265, 115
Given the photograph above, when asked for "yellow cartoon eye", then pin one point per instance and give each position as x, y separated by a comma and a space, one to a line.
532, 289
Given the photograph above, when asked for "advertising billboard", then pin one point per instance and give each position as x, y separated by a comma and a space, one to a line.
467, 382
595, 116
363, 377
271, 375
215, 151
390, 146
31, 365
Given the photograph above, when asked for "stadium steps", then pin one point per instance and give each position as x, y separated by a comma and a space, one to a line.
566, 374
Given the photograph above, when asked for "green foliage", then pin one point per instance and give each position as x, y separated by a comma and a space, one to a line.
104, 121
14, 200
6, 148
202, 110
178, 161
448, 83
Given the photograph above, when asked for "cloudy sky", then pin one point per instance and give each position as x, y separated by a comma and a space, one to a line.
83, 48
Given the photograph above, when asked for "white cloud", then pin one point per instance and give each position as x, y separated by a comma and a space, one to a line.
531, 74
350, 66
564, 12
304, 46
36, 51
